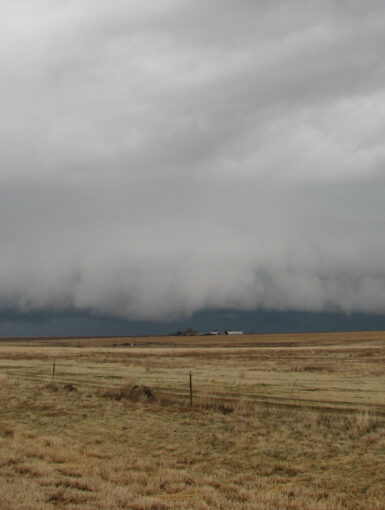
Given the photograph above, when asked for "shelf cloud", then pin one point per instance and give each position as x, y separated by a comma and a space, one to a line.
159, 158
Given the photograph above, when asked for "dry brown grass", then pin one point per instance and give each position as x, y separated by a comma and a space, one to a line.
272, 427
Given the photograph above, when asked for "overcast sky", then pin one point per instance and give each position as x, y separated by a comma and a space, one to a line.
162, 157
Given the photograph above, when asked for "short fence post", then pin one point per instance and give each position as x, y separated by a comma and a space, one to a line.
191, 390
53, 371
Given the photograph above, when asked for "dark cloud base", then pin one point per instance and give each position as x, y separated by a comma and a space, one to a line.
257, 321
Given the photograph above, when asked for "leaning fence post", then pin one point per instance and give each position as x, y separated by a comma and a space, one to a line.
53, 371
190, 389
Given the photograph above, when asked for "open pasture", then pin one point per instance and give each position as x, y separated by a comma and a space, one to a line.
278, 421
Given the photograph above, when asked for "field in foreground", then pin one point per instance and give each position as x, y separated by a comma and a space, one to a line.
278, 422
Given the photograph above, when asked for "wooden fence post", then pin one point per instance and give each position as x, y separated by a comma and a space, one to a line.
191, 402
53, 370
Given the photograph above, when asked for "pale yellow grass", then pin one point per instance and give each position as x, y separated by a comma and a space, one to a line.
291, 426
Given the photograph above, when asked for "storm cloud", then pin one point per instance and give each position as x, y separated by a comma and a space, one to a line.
163, 157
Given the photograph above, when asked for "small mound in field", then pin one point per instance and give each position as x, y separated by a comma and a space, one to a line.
51, 386
69, 387
225, 409
7, 432
132, 392
141, 393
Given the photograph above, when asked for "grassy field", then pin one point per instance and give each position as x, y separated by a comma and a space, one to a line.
277, 422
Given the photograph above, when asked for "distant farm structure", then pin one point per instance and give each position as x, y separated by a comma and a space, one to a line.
214, 332
226, 332
186, 332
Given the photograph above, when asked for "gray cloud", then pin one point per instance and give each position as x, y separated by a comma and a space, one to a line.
158, 158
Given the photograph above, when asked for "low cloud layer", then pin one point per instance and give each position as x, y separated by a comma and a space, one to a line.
158, 158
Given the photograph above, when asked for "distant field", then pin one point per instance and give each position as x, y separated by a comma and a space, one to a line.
289, 339
278, 422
